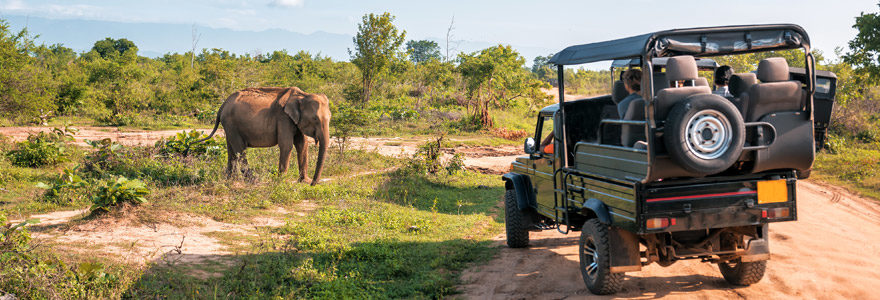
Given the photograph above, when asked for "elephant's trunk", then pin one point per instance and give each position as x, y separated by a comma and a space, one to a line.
323, 142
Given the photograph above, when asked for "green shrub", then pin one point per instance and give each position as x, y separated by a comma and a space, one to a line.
119, 191
38, 150
65, 188
186, 143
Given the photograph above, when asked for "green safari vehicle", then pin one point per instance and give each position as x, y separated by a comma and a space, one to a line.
685, 174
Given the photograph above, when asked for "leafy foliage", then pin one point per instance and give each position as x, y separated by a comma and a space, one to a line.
68, 182
187, 143
119, 191
376, 47
40, 149
423, 50
864, 49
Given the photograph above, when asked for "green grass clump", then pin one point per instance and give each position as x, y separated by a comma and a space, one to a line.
852, 164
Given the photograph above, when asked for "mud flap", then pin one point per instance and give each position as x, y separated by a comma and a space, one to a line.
758, 249
624, 251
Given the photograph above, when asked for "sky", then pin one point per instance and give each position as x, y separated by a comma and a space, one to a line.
546, 24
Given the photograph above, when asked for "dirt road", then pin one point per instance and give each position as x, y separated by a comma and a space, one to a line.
831, 252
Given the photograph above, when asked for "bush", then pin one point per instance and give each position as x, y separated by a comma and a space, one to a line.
40, 149
119, 191
428, 159
186, 143
64, 187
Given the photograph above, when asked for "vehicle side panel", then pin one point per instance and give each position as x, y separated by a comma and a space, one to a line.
613, 161
619, 198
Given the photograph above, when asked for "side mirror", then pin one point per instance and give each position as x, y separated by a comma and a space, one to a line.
530, 146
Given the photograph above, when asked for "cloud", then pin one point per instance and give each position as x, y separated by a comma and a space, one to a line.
286, 3
13, 5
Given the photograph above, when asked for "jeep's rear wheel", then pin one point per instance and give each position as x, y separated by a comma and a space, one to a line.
594, 252
704, 134
514, 222
743, 273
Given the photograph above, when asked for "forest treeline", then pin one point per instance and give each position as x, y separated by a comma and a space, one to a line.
387, 77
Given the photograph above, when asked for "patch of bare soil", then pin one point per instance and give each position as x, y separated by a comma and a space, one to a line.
128, 138
829, 253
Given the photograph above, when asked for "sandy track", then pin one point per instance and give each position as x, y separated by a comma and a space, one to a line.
831, 252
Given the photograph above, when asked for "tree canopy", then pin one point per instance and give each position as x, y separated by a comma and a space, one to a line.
423, 50
376, 47
864, 49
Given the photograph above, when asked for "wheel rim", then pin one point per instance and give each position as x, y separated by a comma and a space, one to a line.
708, 134
590, 257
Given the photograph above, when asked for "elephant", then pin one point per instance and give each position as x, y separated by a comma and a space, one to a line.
269, 116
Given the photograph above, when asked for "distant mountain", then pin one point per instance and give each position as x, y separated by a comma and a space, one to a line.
157, 39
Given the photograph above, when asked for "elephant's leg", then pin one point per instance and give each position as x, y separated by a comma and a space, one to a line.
302, 154
243, 163
235, 147
284, 147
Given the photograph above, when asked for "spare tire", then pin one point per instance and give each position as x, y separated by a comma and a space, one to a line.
704, 134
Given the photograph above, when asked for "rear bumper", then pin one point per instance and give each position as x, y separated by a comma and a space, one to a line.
710, 218
721, 204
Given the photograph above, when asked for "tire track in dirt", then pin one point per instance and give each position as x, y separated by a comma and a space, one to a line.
829, 253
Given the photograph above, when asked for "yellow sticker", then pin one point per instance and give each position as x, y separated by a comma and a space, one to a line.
772, 191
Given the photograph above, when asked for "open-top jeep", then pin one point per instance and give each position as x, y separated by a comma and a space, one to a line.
685, 174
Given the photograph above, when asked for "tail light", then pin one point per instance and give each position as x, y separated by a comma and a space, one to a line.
658, 223
774, 213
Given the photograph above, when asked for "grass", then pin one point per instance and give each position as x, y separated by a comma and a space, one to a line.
853, 165
392, 234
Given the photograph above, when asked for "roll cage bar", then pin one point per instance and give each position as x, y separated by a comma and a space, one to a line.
698, 42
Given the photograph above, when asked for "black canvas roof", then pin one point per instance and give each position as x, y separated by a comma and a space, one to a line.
704, 41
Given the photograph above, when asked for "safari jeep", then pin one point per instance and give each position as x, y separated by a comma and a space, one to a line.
685, 174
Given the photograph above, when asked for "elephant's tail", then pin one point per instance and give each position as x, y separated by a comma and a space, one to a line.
216, 125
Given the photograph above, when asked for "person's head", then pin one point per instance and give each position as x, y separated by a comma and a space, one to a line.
722, 75
632, 80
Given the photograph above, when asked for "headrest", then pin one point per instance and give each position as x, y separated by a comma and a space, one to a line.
681, 68
773, 69
619, 92
740, 83
702, 81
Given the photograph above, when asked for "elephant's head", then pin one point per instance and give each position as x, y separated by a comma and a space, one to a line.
311, 114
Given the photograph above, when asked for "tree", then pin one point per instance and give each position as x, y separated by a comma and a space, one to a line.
496, 75
111, 47
541, 67
864, 49
423, 50
376, 45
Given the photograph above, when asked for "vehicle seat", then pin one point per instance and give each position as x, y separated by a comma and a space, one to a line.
677, 68
702, 81
741, 82
633, 135
618, 92
660, 82
775, 93
739, 85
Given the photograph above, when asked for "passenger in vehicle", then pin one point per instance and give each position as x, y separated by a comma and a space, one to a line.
547, 144
632, 81
722, 79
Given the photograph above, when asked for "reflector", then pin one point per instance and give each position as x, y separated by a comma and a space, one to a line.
772, 191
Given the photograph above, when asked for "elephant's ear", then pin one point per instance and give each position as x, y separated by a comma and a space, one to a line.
290, 102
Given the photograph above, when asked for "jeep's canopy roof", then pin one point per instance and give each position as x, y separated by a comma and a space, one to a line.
704, 41
702, 63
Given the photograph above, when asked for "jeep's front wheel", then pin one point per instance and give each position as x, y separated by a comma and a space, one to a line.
515, 222
594, 252
743, 273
